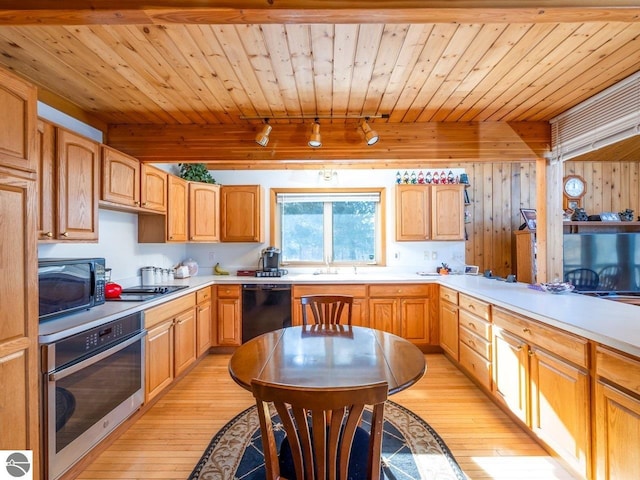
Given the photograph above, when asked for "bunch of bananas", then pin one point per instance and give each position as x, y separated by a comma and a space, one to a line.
218, 270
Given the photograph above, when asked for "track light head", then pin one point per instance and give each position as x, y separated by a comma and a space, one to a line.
315, 140
370, 135
262, 138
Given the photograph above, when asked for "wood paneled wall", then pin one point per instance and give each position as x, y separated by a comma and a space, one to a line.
611, 186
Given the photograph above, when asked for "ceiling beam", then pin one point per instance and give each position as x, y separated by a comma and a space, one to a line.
113, 12
233, 146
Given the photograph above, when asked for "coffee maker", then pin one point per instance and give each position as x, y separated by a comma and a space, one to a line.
270, 263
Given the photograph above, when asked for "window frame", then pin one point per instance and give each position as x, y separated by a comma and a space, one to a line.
381, 243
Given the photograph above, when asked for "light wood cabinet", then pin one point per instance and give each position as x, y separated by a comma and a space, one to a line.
359, 314
77, 186
18, 102
541, 375
19, 368
526, 256
203, 319
241, 216
617, 414
448, 319
474, 318
404, 310
130, 185
46, 155
204, 212
429, 212
447, 212
228, 315
172, 227
170, 344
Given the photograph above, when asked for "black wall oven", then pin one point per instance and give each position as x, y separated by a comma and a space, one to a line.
93, 381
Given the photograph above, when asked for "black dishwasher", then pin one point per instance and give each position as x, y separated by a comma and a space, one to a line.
265, 307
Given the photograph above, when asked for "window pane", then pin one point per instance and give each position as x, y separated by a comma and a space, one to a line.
302, 232
354, 231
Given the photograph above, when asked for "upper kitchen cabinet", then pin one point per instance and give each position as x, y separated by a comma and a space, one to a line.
447, 212
413, 212
430, 212
241, 218
204, 212
69, 176
18, 102
127, 184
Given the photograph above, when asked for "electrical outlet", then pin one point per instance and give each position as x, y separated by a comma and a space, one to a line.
427, 255
397, 255
212, 256
434, 255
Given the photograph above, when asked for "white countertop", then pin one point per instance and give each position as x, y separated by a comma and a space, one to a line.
611, 323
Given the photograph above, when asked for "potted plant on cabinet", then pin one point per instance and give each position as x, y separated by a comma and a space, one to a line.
195, 172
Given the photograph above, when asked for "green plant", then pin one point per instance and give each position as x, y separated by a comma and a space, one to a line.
195, 172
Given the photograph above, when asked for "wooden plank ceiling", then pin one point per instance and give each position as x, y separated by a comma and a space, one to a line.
188, 70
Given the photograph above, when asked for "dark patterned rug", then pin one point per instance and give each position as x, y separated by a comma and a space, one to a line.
411, 449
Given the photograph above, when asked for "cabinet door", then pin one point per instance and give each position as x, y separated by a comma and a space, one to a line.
204, 212
560, 412
185, 340
18, 123
414, 320
359, 314
241, 213
447, 212
177, 206
19, 369
383, 314
203, 320
617, 429
159, 359
153, 188
78, 172
46, 147
511, 373
229, 333
449, 328
120, 178
413, 216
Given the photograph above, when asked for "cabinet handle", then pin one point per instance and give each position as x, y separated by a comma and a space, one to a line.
48, 234
472, 325
65, 234
531, 353
519, 347
526, 330
144, 204
471, 307
136, 203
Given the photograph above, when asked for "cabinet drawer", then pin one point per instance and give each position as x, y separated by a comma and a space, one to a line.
395, 290
167, 310
566, 345
228, 291
203, 295
359, 291
476, 343
449, 294
475, 306
475, 324
476, 365
618, 368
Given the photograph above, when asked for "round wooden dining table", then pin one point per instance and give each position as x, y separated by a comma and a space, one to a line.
328, 356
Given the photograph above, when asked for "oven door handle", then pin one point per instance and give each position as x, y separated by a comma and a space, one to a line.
65, 372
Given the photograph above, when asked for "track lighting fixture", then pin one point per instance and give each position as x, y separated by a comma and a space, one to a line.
262, 138
370, 135
315, 140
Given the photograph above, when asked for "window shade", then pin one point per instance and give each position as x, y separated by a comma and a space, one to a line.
327, 197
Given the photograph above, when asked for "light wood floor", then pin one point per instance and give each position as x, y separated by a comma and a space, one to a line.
169, 439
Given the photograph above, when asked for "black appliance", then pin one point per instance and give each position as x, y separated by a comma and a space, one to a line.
92, 382
67, 285
265, 307
270, 263
142, 294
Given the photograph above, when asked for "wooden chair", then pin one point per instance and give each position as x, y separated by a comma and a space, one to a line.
323, 440
583, 279
326, 309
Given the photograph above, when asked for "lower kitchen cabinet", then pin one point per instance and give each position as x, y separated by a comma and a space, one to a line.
541, 375
171, 342
359, 315
617, 401
474, 320
404, 310
449, 321
228, 316
203, 320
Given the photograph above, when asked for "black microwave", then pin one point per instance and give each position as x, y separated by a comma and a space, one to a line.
66, 285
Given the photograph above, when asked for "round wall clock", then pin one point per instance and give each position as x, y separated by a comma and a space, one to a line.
574, 186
